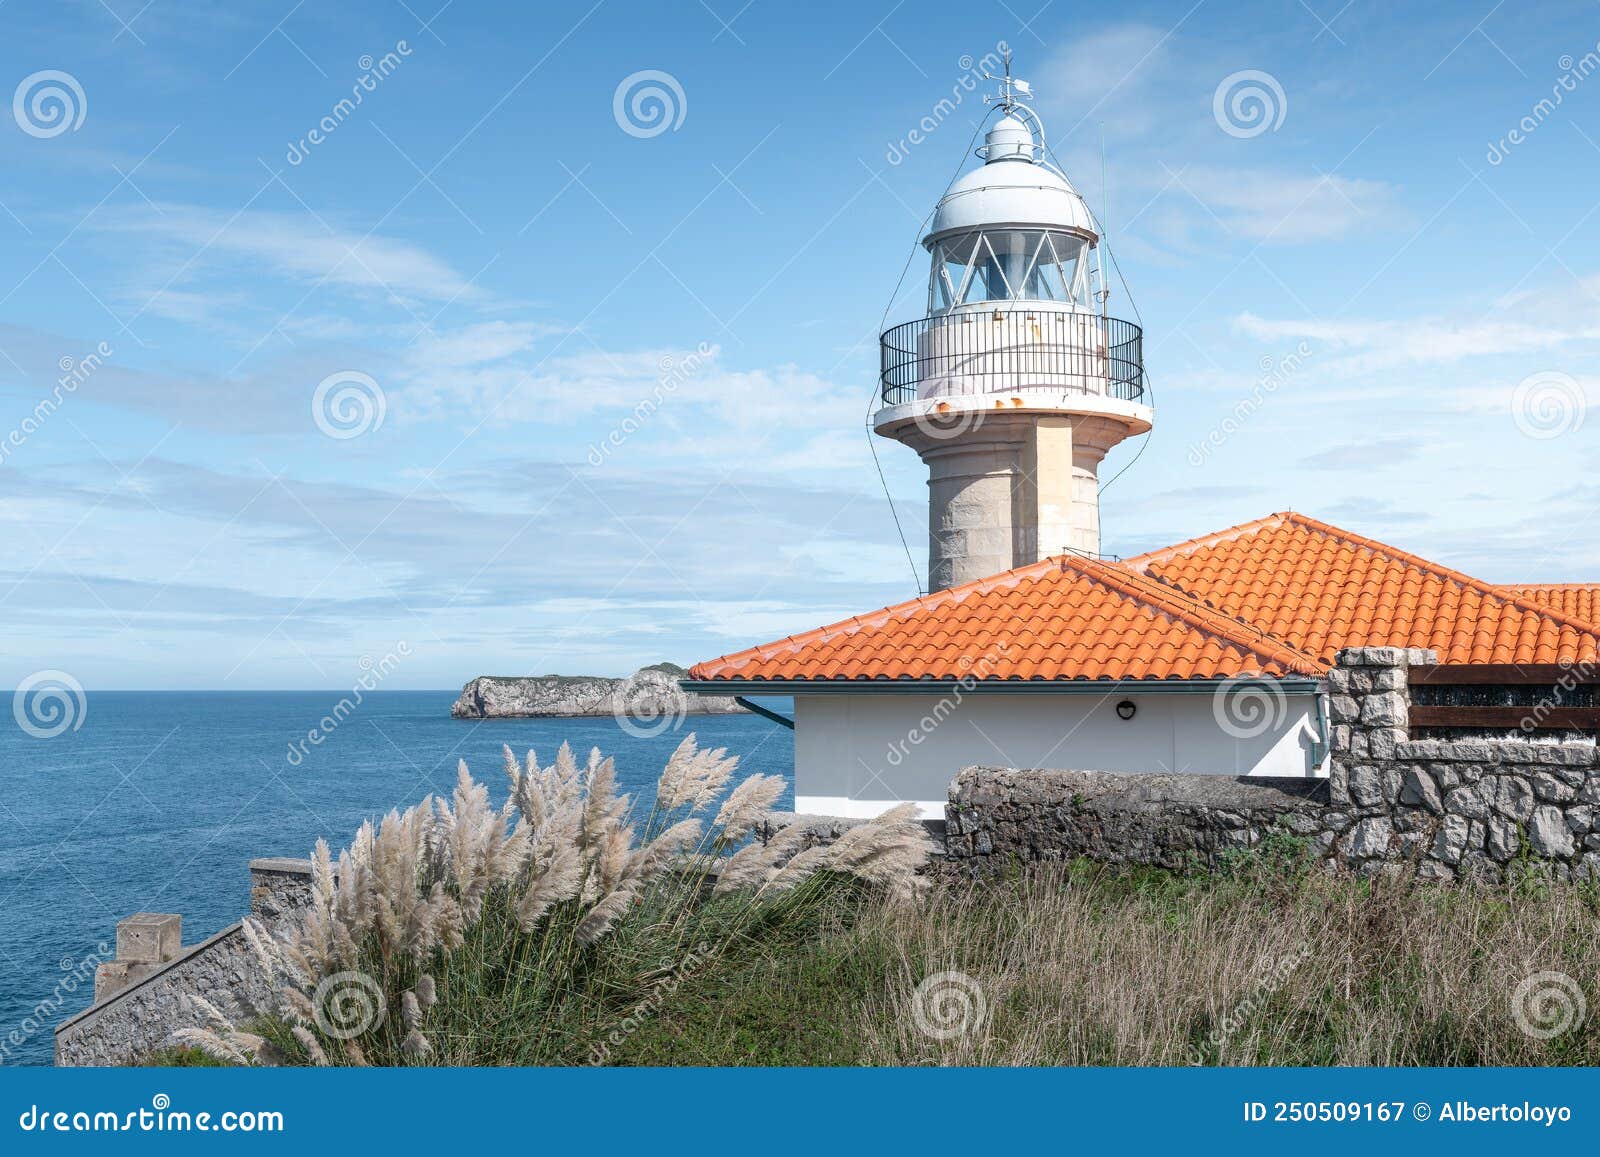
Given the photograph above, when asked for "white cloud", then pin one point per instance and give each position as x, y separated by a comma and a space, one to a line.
1272, 205
297, 246
1548, 323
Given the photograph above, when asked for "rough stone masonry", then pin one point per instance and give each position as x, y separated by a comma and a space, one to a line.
1441, 809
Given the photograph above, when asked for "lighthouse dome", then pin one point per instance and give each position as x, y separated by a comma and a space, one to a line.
1010, 191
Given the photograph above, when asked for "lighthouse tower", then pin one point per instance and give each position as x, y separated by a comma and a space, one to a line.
1016, 383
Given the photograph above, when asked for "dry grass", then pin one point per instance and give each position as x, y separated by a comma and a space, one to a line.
1082, 966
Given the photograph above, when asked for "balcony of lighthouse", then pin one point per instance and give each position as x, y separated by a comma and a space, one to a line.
1011, 325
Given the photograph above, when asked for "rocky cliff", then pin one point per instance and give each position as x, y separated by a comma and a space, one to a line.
650, 694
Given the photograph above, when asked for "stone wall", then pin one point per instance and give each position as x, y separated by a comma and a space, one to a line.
1171, 821
1390, 804
135, 1021
1448, 807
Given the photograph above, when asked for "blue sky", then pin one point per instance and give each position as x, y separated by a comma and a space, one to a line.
481, 244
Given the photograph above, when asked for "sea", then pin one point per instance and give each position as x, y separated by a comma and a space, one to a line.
157, 801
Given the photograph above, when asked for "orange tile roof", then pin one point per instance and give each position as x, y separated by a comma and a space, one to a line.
1575, 600
1319, 588
1066, 618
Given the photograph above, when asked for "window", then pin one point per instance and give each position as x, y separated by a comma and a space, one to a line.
1009, 265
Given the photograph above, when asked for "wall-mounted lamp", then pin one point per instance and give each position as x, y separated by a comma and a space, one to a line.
1127, 709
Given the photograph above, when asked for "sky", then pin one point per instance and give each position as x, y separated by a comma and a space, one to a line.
554, 351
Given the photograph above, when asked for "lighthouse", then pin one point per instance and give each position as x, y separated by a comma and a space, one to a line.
1016, 382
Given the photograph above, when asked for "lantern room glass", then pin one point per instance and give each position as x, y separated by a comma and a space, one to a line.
1008, 265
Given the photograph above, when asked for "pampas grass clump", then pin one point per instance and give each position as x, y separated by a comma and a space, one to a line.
458, 933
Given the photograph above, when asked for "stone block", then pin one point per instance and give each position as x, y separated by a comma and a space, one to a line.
1385, 656
1550, 789
1451, 842
149, 938
1446, 775
1369, 838
1502, 842
1548, 834
1465, 751
1509, 795
1385, 709
1389, 679
1366, 785
1589, 868
1467, 801
1419, 790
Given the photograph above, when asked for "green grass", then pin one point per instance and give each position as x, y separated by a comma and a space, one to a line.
1265, 962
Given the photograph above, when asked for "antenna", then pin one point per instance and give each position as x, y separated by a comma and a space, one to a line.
1010, 89
1105, 229
1105, 189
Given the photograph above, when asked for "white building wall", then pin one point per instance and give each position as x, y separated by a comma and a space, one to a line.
857, 754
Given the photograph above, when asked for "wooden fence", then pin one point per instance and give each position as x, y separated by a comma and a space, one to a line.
1552, 688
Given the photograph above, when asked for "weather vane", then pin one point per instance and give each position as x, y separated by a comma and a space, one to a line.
1010, 87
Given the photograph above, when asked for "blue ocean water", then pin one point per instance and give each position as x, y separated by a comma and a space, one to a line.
158, 800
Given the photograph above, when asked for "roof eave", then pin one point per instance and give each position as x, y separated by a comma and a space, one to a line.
1288, 684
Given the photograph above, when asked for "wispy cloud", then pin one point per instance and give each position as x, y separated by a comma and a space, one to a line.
304, 247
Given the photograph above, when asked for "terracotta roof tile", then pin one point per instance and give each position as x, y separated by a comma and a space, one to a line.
1319, 588
1576, 600
1064, 618
1277, 596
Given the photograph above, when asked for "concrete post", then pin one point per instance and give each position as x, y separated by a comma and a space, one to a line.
145, 941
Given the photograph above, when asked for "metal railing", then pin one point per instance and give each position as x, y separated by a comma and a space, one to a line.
1012, 348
